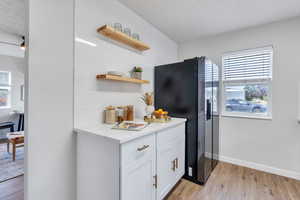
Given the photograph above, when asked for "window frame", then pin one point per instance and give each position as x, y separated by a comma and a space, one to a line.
267, 81
7, 87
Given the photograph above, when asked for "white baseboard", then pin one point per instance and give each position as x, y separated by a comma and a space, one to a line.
260, 167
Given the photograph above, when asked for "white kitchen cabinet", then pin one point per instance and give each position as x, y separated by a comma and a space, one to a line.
180, 159
165, 173
126, 165
170, 159
138, 169
137, 183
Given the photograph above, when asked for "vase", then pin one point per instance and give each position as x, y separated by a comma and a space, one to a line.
149, 110
136, 75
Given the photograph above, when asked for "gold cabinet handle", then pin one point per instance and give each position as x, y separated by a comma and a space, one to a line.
155, 181
176, 163
143, 148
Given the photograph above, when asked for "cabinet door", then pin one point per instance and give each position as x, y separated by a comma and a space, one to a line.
138, 170
165, 170
180, 158
138, 181
170, 159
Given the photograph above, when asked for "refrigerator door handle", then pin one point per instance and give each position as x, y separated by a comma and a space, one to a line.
208, 109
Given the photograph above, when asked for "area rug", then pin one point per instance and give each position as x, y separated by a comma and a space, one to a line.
10, 169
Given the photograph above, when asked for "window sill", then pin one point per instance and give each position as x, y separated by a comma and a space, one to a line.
247, 116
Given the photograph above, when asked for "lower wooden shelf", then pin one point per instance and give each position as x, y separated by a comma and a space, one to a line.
120, 78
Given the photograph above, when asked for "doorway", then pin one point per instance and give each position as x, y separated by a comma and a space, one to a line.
12, 90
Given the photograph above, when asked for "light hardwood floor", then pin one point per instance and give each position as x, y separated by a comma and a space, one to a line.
231, 182
227, 182
12, 189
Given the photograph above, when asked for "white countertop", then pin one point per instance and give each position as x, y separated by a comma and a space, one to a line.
123, 136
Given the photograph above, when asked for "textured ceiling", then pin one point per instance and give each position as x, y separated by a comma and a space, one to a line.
12, 16
184, 20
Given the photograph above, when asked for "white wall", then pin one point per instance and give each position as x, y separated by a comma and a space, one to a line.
92, 96
50, 142
264, 144
9, 45
10, 38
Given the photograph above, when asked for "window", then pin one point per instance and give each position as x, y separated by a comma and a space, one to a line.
247, 81
5, 89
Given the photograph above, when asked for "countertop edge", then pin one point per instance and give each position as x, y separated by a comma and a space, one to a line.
176, 122
87, 132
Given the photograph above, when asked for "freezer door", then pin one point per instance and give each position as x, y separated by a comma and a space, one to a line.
209, 118
216, 114
205, 120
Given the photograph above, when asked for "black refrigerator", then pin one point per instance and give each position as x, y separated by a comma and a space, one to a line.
190, 89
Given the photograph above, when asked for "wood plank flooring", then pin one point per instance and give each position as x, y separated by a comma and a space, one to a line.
8, 167
227, 182
231, 182
12, 189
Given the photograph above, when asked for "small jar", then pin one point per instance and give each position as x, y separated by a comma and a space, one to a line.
110, 115
130, 113
120, 114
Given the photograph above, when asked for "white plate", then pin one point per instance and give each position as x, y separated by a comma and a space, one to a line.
141, 126
116, 73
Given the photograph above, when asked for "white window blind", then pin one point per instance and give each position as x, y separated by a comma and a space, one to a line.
246, 65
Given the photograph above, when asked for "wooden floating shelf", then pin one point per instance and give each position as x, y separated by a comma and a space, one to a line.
120, 78
122, 37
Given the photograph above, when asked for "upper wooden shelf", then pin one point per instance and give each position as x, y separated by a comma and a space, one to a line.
120, 78
122, 37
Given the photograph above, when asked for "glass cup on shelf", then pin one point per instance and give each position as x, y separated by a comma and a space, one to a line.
110, 25
135, 36
127, 31
118, 27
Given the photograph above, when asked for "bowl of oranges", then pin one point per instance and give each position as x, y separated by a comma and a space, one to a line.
158, 116
160, 113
